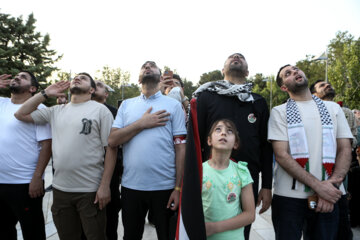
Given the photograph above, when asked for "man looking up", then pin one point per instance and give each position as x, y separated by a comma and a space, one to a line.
232, 99
81, 181
311, 142
25, 150
151, 128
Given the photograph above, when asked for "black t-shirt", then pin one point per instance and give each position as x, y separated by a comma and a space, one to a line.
251, 120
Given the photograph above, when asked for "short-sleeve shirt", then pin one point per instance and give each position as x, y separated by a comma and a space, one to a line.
221, 195
19, 144
149, 157
80, 133
313, 130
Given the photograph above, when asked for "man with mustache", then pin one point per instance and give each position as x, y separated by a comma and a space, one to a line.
311, 142
151, 128
25, 150
82, 177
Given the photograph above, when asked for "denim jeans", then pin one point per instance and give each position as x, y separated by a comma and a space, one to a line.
291, 218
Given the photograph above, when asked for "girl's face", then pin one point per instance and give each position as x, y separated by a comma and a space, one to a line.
223, 137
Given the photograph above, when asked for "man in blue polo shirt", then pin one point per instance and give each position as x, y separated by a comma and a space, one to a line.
151, 128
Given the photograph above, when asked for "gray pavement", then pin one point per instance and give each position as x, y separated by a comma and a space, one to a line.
262, 228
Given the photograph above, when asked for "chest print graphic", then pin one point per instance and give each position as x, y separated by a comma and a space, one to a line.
86, 126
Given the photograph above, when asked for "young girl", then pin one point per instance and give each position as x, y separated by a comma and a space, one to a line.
227, 196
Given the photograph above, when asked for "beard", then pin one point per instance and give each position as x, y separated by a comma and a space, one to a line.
328, 93
78, 91
152, 79
238, 70
98, 98
298, 87
19, 89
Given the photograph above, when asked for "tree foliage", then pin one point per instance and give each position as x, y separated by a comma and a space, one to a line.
23, 48
210, 76
314, 70
189, 88
262, 86
344, 68
118, 80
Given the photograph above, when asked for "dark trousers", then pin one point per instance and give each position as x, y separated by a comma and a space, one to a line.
17, 206
344, 232
291, 218
135, 205
114, 206
76, 212
255, 178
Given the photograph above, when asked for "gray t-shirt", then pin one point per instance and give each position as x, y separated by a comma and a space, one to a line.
80, 132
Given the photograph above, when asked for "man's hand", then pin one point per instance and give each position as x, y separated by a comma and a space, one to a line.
57, 89
36, 187
210, 228
328, 192
264, 197
165, 83
150, 120
103, 196
324, 206
4, 80
173, 202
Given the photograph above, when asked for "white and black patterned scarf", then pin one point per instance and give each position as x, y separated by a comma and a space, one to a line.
298, 143
223, 87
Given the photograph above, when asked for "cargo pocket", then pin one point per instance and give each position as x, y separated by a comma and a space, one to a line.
93, 220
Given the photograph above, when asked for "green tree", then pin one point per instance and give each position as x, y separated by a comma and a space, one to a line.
23, 48
314, 70
189, 88
118, 80
268, 89
210, 76
344, 68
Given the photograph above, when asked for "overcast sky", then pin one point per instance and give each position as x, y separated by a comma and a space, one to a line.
193, 37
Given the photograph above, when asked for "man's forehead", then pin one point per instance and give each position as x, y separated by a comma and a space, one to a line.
151, 63
290, 67
99, 83
239, 54
24, 74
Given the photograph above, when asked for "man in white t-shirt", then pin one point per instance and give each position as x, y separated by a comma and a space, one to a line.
311, 142
82, 177
25, 150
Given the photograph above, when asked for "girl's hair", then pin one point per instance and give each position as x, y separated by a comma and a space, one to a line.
229, 124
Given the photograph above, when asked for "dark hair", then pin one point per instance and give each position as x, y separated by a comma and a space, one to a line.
230, 124
312, 86
34, 81
177, 77
92, 82
152, 62
279, 80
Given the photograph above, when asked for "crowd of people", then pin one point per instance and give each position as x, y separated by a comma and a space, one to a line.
140, 148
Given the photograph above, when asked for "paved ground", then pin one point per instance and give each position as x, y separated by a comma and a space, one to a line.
262, 227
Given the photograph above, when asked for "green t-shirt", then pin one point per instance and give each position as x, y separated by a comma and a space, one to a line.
221, 199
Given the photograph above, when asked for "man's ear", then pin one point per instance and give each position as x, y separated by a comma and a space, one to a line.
283, 88
32, 89
92, 90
